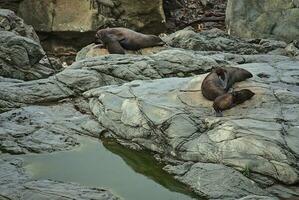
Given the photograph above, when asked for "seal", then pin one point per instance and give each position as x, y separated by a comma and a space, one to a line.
112, 44
231, 99
118, 39
236, 74
215, 84
220, 80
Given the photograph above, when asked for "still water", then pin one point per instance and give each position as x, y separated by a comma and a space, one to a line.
129, 174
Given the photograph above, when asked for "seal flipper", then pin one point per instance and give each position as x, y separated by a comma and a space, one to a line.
112, 45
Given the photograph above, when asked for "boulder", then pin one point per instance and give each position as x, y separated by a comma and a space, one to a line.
21, 58
218, 40
21, 55
276, 19
85, 16
9, 21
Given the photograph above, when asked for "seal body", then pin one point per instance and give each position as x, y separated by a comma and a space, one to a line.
118, 39
232, 99
236, 74
215, 84
112, 45
220, 80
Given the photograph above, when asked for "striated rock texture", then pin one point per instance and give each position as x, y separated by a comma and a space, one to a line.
16, 184
21, 55
154, 102
276, 19
217, 40
39, 129
170, 116
10, 22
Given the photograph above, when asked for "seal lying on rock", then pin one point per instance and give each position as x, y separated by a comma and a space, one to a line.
112, 45
116, 40
215, 84
231, 99
220, 80
236, 74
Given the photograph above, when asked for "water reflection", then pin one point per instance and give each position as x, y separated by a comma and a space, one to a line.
144, 163
111, 167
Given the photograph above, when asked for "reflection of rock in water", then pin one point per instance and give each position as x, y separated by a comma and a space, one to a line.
144, 163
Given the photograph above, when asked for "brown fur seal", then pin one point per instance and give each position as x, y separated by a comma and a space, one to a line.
236, 74
118, 39
230, 100
220, 80
215, 84
112, 45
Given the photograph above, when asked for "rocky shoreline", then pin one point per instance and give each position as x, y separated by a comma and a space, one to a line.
153, 101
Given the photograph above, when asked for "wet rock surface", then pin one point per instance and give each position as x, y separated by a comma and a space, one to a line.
16, 184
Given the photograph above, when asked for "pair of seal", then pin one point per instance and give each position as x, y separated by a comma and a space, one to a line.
216, 85
117, 40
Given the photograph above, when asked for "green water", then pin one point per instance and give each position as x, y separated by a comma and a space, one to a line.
129, 174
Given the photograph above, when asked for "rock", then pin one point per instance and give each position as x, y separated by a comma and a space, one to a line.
20, 58
263, 19
94, 50
100, 71
9, 21
85, 16
10, 4
16, 184
283, 192
170, 116
21, 55
217, 40
40, 129
255, 197
215, 181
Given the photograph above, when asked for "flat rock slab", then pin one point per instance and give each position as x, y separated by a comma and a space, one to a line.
16, 184
100, 71
41, 129
170, 116
215, 181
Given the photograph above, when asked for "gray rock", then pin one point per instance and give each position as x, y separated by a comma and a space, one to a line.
9, 21
263, 19
216, 181
255, 197
87, 16
20, 58
16, 184
40, 129
100, 71
170, 116
217, 40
